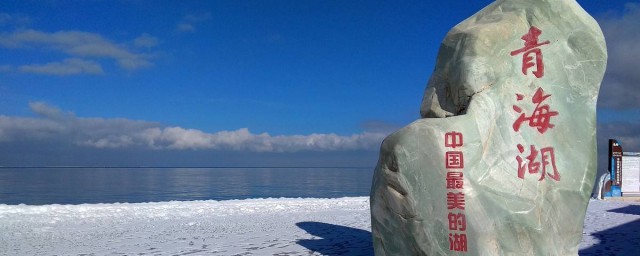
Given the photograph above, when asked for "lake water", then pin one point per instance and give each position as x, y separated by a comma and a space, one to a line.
38, 186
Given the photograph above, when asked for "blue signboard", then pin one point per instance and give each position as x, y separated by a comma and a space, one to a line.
615, 168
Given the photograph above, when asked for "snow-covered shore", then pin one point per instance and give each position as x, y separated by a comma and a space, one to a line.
245, 227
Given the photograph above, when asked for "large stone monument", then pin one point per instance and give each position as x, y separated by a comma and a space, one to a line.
504, 159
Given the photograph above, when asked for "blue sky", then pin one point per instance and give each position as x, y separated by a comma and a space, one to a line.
277, 82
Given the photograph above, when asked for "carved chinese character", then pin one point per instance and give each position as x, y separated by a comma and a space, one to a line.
453, 139
547, 157
458, 242
457, 221
455, 200
541, 116
454, 160
455, 180
531, 51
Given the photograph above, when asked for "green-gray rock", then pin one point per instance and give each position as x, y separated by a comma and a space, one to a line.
513, 94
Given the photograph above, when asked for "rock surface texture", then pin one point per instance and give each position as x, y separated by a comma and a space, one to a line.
504, 159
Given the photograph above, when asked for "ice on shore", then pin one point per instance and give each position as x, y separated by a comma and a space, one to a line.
245, 227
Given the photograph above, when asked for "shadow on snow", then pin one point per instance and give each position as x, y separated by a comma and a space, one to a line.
619, 240
336, 240
341, 240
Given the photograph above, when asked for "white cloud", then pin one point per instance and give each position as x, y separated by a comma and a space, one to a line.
46, 111
18, 20
188, 23
620, 88
77, 44
379, 126
53, 123
146, 40
185, 27
70, 66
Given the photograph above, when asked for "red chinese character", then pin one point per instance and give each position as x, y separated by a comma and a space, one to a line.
454, 160
530, 48
453, 139
547, 156
458, 242
455, 200
541, 117
454, 180
457, 221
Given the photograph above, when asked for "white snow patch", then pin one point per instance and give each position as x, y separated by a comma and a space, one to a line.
235, 227
244, 227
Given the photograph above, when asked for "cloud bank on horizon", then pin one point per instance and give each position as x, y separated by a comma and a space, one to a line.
53, 123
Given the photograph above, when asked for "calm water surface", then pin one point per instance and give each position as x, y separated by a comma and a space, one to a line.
37, 186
